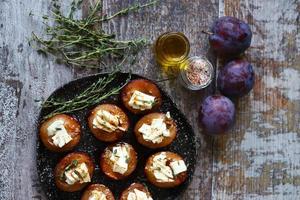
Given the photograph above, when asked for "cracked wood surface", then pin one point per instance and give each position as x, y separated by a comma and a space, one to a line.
259, 160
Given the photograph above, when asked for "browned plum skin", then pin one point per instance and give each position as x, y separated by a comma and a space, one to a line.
81, 157
138, 186
230, 36
97, 187
145, 86
236, 78
217, 115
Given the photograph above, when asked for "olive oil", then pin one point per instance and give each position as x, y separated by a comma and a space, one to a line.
171, 50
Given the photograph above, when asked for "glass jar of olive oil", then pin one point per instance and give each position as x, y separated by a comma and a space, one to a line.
171, 50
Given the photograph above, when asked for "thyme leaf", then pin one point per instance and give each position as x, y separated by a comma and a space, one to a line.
94, 94
80, 42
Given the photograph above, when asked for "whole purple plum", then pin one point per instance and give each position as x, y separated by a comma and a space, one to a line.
230, 36
236, 78
217, 115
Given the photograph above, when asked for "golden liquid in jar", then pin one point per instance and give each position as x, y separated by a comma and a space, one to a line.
171, 50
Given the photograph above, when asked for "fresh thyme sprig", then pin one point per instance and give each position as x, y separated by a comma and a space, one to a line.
94, 94
78, 42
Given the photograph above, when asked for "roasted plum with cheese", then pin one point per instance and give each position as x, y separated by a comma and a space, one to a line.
141, 96
74, 172
97, 192
166, 169
108, 122
118, 161
60, 133
136, 191
155, 130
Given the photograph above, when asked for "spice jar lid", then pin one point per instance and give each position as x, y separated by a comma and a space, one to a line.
197, 73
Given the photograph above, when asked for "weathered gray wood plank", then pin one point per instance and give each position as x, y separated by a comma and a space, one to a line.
189, 17
29, 77
260, 160
25, 77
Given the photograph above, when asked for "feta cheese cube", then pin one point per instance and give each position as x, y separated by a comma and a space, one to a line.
61, 138
156, 131
168, 115
138, 195
79, 173
58, 133
106, 121
69, 178
161, 171
120, 158
178, 167
141, 101
97, 195
55, 126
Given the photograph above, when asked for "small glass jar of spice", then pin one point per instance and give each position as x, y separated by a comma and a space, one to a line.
196, 73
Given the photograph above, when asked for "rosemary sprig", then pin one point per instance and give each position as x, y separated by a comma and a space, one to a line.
79, 43
94, 94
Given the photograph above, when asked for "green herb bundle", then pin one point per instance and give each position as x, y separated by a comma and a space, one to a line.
94, 94
78, 42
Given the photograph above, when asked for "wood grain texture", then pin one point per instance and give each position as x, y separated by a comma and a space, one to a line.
27, 77
259, 160
189, 17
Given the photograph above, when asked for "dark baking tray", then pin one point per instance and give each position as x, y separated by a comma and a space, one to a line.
184, 144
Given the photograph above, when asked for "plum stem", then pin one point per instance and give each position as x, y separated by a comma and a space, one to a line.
207, 32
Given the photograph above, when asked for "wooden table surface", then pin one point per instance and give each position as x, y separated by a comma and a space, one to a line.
260, 159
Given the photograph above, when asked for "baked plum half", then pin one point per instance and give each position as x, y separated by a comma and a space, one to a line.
74, 172
136, 191
60, 133
108, 122
166, 169
97, 192
118, 161
155, 130
141, 96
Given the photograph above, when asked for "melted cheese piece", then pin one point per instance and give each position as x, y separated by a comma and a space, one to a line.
138, 195
58, 133
156, 131
161, 171
141, 101
178, 167
106, 121
97, 195
168, 115
78, 174
120, 157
